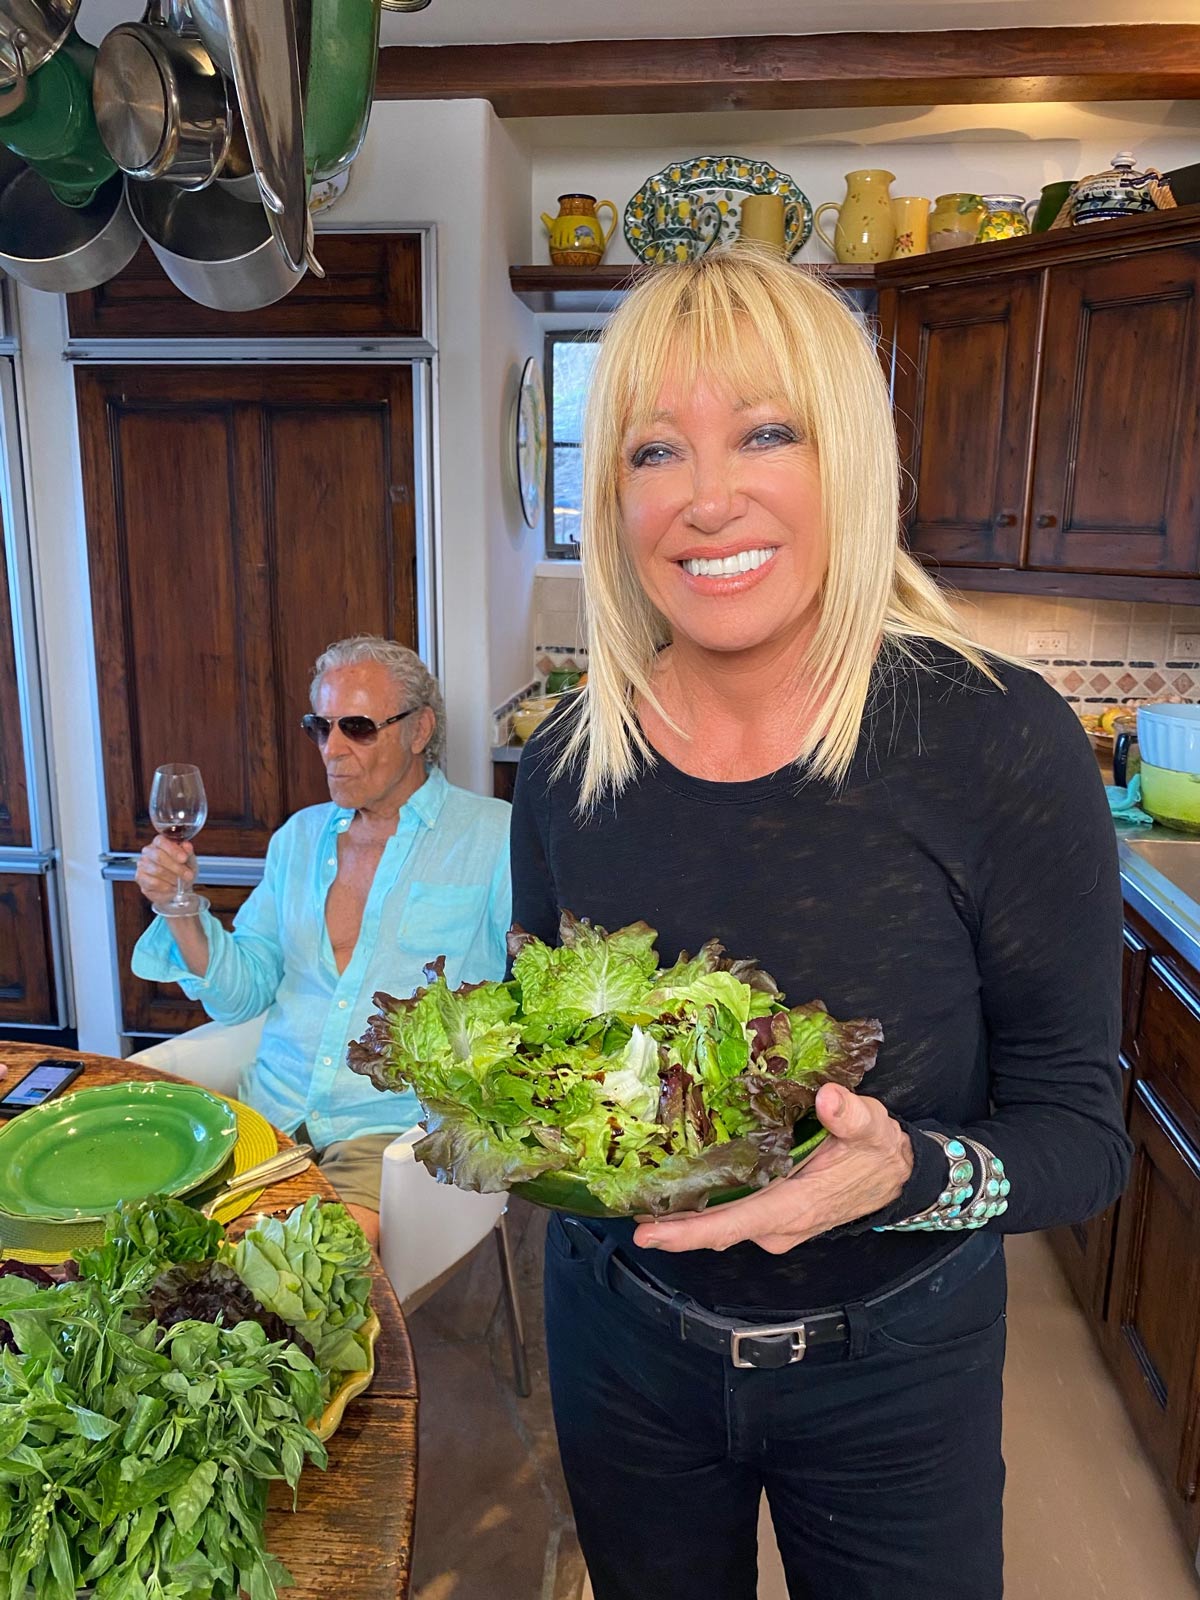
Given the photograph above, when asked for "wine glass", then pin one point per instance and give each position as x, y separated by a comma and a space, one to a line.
179, 809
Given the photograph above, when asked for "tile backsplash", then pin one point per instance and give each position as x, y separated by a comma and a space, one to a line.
1105, 650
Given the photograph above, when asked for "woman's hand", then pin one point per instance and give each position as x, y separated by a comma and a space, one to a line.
161, 865
862, 1166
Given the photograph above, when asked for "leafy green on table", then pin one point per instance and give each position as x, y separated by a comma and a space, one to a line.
653, 1086
135, 1456
313, 1270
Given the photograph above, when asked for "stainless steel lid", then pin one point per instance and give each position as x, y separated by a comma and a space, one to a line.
132, 101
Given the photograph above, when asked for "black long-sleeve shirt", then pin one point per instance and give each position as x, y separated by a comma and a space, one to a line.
961, 886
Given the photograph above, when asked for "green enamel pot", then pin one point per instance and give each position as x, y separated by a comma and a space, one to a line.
562, 1191
342, 56
47, 119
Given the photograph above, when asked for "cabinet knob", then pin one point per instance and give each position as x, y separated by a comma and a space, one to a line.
1047, 519
1006, 519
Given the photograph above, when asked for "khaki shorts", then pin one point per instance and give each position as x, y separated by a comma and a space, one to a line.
353, 1166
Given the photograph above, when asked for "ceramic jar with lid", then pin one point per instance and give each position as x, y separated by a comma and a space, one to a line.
1005, 217
1122, 191
955, 220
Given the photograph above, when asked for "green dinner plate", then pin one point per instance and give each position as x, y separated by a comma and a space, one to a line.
72, 1160
562, 1191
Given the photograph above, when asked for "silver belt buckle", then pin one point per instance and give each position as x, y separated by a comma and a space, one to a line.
795, 1330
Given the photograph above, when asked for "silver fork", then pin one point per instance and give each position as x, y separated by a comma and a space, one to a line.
287, 1164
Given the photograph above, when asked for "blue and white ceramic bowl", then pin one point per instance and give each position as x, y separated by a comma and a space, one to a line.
1169, 737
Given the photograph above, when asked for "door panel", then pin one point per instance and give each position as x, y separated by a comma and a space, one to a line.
239, 520
1155, 1301
14, 798
963, 394
160, 1007
26, 961
1116, 484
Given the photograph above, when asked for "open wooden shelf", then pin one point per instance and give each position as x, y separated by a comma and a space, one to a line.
589, 289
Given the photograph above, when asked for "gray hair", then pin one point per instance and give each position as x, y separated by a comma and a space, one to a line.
412, 677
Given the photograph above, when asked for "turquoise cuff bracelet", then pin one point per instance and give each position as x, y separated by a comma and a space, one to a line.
976, 1190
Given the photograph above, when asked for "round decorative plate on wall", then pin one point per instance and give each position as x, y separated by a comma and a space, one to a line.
529, 441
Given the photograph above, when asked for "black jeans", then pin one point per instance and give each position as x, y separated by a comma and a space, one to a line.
882, 1469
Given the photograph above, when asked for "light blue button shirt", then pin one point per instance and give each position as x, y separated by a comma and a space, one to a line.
441, 888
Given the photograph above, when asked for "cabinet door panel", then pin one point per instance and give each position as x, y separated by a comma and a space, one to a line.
1116, 485
14, 799
1169, 1044
160, 1007
1155, 1305
963, 394
239, 520
26, 964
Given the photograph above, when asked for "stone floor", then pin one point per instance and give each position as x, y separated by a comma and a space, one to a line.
1086, 1518
493, 1522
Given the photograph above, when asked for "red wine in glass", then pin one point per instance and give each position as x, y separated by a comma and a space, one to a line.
178, 810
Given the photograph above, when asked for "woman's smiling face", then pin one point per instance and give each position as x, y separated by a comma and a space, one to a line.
721, 509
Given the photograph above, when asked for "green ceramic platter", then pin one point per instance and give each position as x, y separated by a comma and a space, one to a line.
561, 1191
72, 1159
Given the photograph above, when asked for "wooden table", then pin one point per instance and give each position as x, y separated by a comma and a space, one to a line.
352, 1534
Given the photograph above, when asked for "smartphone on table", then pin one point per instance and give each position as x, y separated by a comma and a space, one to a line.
46, 1079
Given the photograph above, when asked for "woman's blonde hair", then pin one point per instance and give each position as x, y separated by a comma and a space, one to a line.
770, 331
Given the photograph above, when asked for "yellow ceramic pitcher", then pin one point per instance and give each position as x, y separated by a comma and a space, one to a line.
577, 236
866, 230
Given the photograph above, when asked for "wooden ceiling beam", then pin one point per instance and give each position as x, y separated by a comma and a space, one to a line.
787, 72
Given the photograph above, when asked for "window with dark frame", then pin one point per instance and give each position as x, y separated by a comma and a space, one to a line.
569, 361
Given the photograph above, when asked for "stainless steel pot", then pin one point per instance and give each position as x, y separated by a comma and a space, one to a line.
63, 249
212, 246
161, 104
30, 33
212, 24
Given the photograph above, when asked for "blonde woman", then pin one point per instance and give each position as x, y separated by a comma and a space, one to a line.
788, 744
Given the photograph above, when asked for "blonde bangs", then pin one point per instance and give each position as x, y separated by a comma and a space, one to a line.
743, 319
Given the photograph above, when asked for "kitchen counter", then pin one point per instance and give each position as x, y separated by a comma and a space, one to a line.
1160, 879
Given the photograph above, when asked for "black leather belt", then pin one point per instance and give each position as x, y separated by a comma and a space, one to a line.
780, 1344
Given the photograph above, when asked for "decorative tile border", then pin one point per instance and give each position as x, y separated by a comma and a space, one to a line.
1109, 682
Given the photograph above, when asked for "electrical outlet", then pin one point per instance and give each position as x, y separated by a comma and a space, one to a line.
1045, 644
1185, 647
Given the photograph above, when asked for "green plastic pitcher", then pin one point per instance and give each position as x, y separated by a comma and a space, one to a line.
47, 119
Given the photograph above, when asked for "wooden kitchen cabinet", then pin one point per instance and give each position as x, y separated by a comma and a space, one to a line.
1116, 477
963, 398
1045, 397
1155, 1302
239, 520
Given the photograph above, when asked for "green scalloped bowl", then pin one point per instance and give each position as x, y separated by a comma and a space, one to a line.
562, 1191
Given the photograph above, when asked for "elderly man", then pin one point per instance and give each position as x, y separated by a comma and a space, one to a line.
356, 896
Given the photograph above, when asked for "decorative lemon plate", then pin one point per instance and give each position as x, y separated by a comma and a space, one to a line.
680, 211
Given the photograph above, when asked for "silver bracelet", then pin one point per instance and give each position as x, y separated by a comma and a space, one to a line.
970, 1198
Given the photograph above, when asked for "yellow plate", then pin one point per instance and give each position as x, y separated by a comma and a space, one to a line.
330, 1419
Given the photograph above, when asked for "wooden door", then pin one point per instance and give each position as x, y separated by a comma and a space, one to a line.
160, 1007
1116, 484
963, 396
26, 961
14, 798
239, 520
1155, 1310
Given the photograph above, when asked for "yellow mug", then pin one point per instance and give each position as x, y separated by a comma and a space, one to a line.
910, 213
766, 218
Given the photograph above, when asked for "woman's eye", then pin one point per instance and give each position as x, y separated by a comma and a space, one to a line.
772, 433
650, 455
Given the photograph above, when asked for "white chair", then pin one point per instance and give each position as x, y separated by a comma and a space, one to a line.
426, 1228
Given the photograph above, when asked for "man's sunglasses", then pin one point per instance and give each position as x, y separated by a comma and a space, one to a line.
359, 730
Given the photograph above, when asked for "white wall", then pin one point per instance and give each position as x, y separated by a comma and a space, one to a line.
452, 164
932, 151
